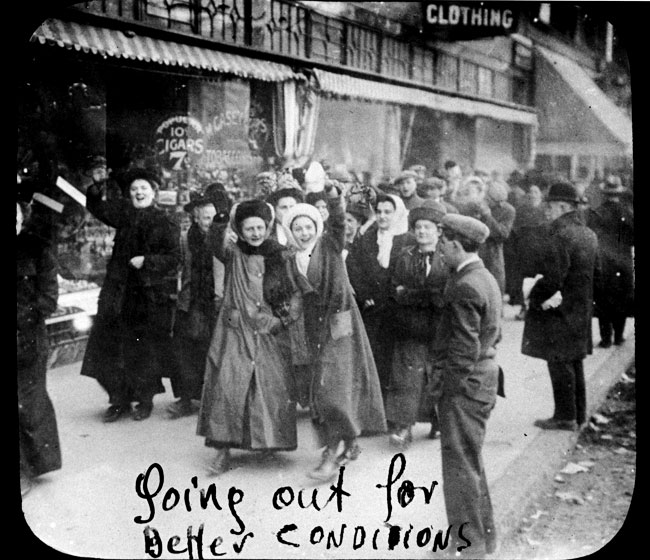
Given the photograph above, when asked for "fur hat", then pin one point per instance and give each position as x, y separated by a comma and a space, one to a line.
468, 227
251, 209
434, 212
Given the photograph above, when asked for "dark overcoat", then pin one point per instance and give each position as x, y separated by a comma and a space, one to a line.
613, 223
568, 266
142, 298
345, 384
500, 223
36, 298
417, 311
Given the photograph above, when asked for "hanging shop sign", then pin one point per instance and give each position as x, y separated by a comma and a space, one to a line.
462, 21
179, 142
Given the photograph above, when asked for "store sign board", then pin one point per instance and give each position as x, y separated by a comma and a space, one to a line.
179, 142
459, 21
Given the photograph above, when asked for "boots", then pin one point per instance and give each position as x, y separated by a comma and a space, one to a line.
328, 468
220, 463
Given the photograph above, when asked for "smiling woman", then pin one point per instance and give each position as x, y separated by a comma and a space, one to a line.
124, 351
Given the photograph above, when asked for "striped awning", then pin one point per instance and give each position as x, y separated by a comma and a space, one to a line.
131, 45
350, 86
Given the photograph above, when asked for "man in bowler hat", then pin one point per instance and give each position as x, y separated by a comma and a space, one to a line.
464, 359
558, 321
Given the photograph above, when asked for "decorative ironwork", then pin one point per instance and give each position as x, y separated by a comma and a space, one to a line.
293, 29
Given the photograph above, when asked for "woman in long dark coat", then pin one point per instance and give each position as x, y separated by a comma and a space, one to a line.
418, 278
37, 292
248, 397
345, 396
133, 319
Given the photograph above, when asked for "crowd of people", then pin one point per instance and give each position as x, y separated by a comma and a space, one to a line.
373, 306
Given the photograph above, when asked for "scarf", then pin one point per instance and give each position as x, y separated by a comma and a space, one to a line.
385, 242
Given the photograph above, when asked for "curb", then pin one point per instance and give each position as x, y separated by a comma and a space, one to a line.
534, 469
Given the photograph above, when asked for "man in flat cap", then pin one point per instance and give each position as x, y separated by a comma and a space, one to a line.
406, 184
464, 358
558, 320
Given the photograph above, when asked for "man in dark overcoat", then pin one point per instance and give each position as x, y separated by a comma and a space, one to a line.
558, 321
464, 358
613, 222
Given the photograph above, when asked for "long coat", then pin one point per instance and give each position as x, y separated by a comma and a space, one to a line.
417, 311
345, 385
138, 298
613, 224
568, 265
248, 398
500, 223
36, 298
370, 281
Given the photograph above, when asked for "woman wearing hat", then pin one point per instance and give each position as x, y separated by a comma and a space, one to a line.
133, 320
418, 278
247, 401
345, 396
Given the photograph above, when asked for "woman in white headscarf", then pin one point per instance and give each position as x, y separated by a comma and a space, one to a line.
368, 267
345, 396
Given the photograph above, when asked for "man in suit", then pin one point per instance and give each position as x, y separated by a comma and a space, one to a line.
464, 357
558, 320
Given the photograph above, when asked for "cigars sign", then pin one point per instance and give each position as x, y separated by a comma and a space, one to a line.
213, 134
459, 21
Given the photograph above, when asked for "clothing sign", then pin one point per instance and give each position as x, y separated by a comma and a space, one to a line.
454, 21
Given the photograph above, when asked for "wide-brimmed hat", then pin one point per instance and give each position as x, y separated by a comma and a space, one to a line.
136, 173
563, 191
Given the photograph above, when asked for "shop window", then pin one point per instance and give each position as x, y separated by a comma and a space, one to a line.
468, 77
362, 48
423, 65
485, 82
446, 71
326, 39
395, 61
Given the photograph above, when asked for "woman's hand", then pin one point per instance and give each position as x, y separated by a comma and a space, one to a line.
137, 262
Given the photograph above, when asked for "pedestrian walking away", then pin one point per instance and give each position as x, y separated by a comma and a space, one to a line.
465, 359
345, 395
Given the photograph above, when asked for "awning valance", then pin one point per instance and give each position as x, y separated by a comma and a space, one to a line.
350, 86
576, 105
130, 45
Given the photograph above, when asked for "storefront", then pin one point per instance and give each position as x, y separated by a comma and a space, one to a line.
583, 132
191, 114
379, 128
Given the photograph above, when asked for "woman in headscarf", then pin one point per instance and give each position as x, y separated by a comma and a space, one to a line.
345, 396
247, 401
367, 265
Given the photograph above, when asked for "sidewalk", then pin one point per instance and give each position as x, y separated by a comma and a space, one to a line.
90, 507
